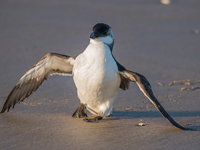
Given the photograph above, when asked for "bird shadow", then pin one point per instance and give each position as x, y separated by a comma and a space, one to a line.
153, 114
118, 115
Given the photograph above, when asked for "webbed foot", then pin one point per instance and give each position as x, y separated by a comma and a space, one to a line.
93, 120
80, 112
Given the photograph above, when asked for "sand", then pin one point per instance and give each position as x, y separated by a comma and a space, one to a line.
159, 41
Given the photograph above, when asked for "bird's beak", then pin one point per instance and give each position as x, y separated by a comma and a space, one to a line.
94, 35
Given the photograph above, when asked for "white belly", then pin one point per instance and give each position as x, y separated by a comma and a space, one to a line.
96, 78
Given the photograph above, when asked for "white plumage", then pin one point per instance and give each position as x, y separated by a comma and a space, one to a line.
96, 77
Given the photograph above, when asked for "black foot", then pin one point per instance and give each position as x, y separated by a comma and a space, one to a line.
93, 120
80, 111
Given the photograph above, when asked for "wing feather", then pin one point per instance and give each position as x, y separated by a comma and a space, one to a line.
50, 64
145, 87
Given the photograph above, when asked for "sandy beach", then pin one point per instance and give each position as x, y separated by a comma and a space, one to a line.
161, 42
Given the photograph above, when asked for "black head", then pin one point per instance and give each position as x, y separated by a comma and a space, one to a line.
100, 30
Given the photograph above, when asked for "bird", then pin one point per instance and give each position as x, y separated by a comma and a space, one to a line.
97, 75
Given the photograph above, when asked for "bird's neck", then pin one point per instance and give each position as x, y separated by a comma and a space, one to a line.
95, 41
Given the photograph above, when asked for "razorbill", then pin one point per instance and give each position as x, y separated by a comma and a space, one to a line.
96, 74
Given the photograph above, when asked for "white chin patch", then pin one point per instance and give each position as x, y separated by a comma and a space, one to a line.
106, 39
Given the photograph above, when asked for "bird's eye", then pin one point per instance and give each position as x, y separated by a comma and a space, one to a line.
105, 32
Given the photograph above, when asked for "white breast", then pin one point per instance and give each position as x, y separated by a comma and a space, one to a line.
96, 77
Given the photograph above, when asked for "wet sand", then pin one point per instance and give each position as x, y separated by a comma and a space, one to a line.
159, 41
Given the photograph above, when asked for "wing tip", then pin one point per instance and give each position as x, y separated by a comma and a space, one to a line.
3, 110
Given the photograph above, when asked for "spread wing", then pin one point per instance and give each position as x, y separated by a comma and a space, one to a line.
50, 64
145, 87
